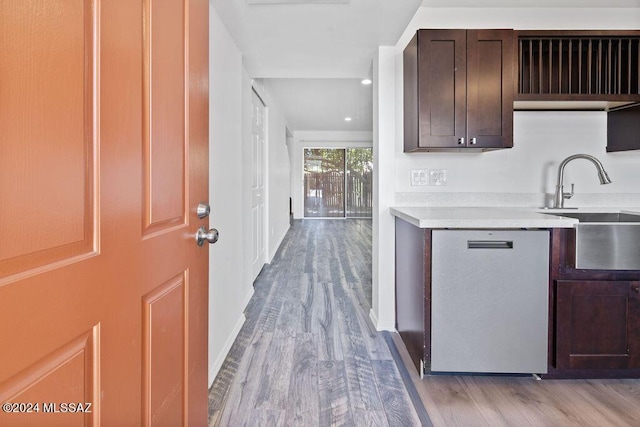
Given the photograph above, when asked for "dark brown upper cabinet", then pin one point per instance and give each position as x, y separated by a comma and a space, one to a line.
577, 70
583, 70
623, 128
458, 90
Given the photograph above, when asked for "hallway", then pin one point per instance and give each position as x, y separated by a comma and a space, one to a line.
307, 354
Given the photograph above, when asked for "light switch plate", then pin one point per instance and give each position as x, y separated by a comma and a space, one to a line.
438, 177
419, 177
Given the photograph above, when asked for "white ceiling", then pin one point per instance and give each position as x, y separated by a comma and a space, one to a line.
314, 53
314, 56
323, 104
331, 40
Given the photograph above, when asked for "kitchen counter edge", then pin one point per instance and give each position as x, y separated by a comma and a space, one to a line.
490, 217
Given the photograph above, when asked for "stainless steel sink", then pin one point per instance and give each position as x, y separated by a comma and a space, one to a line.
602, 216
606, 240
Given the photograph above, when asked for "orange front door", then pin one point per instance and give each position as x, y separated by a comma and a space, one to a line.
103, 160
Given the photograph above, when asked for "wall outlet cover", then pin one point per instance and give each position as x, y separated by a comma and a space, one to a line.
438, 177
419, 177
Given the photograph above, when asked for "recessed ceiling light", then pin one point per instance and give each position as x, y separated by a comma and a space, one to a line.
366, 81
347, 119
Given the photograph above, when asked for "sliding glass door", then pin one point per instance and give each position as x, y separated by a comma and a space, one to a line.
337, 182
359, 171
323, 182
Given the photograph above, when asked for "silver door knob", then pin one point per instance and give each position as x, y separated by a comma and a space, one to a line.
203, 210
203, 235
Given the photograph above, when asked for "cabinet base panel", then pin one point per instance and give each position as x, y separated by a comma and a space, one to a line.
590, 374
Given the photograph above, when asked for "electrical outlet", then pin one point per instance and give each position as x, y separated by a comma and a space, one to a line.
419, 177
438, 177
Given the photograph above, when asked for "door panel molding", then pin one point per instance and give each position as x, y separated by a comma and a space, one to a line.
63, 195
165, 117
72, 372
165, 352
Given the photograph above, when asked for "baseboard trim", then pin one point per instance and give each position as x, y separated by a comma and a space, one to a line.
376, 323
215, 368
277, 246
247, 298
374, 318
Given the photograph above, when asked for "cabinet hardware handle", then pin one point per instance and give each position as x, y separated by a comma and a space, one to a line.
636, 289
460, 141
489, 244
473, 141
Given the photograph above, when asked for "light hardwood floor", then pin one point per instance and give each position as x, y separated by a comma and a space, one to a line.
307, 354
522, 401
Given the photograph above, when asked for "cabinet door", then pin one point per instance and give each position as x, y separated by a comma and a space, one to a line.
623, 127
490, 88
442, 65
597, 324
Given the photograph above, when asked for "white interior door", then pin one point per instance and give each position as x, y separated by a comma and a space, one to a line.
258, 132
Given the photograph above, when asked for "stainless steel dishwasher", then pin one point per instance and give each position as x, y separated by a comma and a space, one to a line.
489, 308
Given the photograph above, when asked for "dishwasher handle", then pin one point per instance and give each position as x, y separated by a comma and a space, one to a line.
489, 244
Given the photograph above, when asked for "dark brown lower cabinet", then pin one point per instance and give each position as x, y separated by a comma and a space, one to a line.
597, 324
413, 290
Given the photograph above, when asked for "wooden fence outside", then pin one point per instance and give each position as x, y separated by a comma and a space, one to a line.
325, 194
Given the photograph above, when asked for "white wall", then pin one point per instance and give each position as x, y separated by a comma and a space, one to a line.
383, 248
318, 139
278, 173
541, 139
292, 167
246, 193
230, 175
226, 291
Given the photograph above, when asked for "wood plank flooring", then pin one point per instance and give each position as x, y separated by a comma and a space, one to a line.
308, 354
522, 401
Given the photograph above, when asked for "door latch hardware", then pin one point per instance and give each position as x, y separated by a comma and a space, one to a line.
203, 235
203, 210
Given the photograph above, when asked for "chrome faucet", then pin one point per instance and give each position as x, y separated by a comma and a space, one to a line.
560, 195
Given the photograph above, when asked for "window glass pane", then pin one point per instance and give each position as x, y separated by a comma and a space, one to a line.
359, 182
323, 182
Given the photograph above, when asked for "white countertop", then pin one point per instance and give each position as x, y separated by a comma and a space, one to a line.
487, 217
